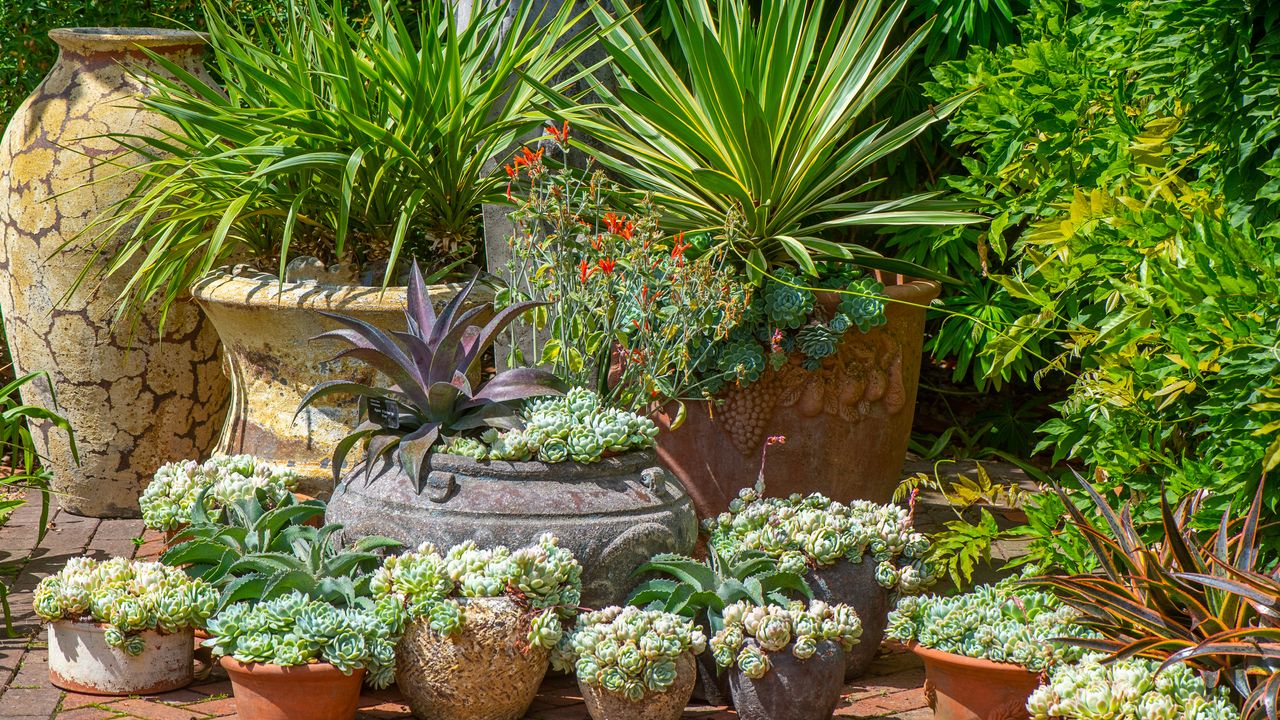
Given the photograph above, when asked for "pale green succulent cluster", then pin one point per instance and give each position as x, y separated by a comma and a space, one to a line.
575, 426
1127, 690
1003, 622
628, 651
545, 577
751, 632
166, 502
815, 531
293, 630
129, 597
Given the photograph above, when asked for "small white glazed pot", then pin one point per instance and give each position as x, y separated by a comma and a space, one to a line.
80, 660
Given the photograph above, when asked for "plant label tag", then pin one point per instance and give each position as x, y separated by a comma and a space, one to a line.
384, 412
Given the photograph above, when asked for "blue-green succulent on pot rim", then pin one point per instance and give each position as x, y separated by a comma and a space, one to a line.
127, 596
628, 651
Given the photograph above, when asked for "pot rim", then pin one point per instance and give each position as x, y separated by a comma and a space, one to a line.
95, 625
949, 658
630, 461
242, 286
120, 39
231, 664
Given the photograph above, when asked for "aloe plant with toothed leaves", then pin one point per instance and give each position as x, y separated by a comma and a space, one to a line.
430, 397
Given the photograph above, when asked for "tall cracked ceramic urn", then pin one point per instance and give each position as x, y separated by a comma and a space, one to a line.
135, 400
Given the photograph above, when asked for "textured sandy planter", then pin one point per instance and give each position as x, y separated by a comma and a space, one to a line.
318, 691
613, 515
80, 660
854, 584
486, 672
668, 705
266, 329
847, 424
965, 688
135, 400
792, 689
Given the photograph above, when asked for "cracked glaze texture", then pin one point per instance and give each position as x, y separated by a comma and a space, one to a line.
134, 401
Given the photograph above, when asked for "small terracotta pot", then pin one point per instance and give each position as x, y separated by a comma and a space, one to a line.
485, 672
668, 705
318, 691
80, 660
792, 689
854, 584
965, 688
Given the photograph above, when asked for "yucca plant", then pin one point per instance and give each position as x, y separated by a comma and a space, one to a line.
1205, 601
752, 152
351, 143
430, 397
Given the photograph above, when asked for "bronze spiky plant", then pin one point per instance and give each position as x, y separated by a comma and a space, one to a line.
430, 396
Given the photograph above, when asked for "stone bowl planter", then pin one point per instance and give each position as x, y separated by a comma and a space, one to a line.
612, 515
318, 691
792, 689
854, 584
80, 660
965, 688
486, 672
266, 329
668, 705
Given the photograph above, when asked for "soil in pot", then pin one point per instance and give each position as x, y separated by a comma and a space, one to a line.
668, 705
80, 660
485, 672
318, 691
854, 584
965, 688
793, 689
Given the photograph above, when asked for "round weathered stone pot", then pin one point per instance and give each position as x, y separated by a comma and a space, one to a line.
613, 515
854, 584
266, 329
80, 660
666, 705
792, 689
846, 424
485, 672
135, 399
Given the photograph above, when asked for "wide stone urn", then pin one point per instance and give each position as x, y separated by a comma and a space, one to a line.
135, 400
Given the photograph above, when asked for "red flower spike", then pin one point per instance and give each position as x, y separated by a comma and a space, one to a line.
606, 265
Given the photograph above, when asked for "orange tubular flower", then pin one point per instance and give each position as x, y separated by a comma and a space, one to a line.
607, 265
561, 134
585, 271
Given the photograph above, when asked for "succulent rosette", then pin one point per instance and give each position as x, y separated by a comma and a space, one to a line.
752, 632
545, 578
128, 597
1004, 622
1127, 690
166, 501
576, 426
293, 630
628, 651
814, 532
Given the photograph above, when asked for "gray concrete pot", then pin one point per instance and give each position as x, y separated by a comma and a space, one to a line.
792, 689
612, 515
854, 584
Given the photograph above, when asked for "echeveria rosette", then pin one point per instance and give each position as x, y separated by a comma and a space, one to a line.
166, 501
543, 577
293, 630
814, 532
129, 597
751, 633
576, 426
1003, 622
628, 651
1127, 690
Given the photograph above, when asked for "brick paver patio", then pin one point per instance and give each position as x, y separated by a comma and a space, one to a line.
892, 689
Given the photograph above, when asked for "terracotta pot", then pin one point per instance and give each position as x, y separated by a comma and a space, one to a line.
80, 660
486, 672
266, 329
135, 400
847, 424
854, 584
667, 705
792, 689
613, 515
965, 688
318, 691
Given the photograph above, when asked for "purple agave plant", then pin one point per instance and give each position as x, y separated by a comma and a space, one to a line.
430, 397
